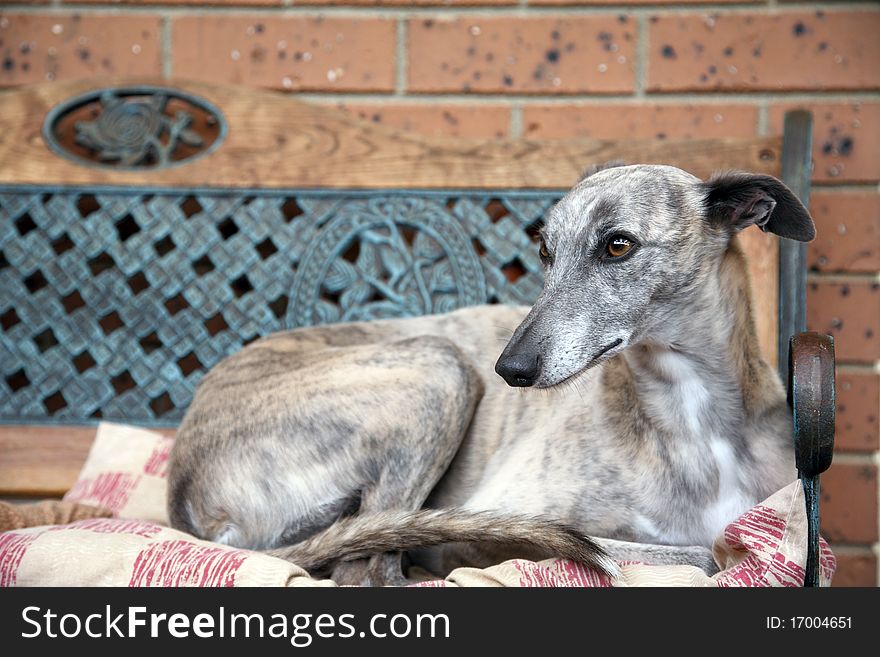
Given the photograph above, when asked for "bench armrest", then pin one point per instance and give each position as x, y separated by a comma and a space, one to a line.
811, 397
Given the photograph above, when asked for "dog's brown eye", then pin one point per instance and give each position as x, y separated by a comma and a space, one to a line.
619, 246
545, 254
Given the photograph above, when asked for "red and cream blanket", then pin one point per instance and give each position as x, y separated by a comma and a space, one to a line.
125, 473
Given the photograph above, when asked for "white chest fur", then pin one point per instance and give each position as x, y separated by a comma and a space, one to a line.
681, 393
730, 500
679, 396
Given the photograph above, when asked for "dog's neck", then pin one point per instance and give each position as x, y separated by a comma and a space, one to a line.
679, 391
700, 375
704, 408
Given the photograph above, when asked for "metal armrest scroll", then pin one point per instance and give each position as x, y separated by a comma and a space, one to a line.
811, 391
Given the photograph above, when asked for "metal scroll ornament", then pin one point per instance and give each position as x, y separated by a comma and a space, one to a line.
134, 128
413, 259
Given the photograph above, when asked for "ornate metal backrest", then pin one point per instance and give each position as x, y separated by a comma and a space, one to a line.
130, 298
169, 228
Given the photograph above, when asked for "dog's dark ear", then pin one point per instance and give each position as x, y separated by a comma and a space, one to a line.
737, 200
596, 168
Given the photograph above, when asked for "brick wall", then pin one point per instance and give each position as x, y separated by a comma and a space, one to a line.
553, 69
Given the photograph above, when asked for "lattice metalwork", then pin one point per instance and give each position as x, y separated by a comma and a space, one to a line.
114, 304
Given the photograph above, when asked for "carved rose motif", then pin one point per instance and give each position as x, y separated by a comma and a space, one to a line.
132, 131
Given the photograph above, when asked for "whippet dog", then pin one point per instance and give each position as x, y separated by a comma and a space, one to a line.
340, 446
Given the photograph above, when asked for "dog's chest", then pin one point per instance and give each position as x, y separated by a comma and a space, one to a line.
698, 485
693, 506
731, 499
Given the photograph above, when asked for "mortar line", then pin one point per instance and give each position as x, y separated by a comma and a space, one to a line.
848, 185
708, 98
856, 458
865, 366
642, 55
515, 129
401, 52
856, 367
853, 549
763, 118
167, 54
851, 188
859, 368
843, 277
876, 550
289, 9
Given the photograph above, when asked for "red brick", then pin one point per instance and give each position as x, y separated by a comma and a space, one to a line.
847, 232
743, 51
324, 54
636, 2
639, 121
300, 3
855, 569
485, 54
857, 421
849, 503
845, 138
480, 121
408, 3
851, 313
200, 3
37, 47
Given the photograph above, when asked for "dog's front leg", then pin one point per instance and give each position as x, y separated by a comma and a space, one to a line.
379, 570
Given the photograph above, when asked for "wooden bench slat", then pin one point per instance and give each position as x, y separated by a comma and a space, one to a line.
275, 141
43, 461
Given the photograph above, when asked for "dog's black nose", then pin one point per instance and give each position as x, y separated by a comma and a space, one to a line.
519, 370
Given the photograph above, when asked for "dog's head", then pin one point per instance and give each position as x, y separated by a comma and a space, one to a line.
628, 246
